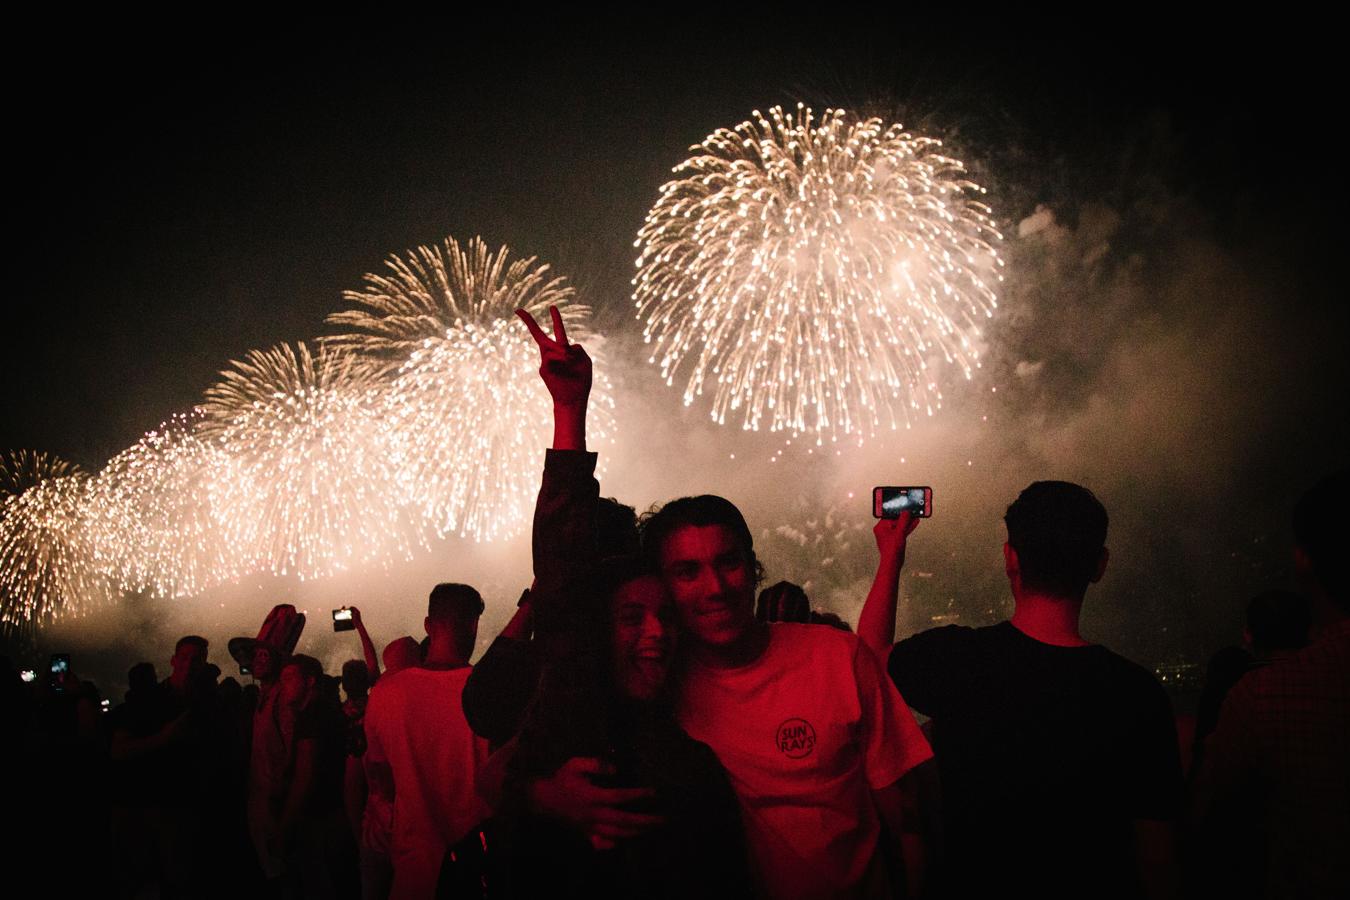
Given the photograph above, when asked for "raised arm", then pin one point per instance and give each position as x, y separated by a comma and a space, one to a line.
564, 540
367, 646
501, 685
876, 622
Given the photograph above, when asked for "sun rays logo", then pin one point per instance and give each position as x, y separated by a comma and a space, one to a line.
796, 738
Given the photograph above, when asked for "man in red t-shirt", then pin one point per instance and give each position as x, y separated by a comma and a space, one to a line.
415, 726
812, 734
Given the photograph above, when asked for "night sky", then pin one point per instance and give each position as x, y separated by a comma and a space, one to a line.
1172, 333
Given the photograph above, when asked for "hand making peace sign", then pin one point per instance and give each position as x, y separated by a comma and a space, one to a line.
565, 367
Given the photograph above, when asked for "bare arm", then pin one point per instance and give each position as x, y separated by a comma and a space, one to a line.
367, 646
876, 622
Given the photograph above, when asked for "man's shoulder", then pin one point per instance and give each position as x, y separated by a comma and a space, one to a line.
1310, 670
795, 640
414, 681
947, 639
1123, 671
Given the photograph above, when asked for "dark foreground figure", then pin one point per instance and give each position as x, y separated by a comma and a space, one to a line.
1060, 772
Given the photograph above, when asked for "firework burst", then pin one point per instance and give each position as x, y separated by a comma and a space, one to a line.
47, 566
305, 483
150, 510
467, 413
812, 273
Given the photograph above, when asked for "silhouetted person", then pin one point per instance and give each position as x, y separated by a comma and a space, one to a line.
1276, 626
1281, 750
1058, 759
316, 845
269, 752
415, 729
163, 754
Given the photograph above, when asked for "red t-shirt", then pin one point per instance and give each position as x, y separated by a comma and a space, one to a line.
415, 722
806, 732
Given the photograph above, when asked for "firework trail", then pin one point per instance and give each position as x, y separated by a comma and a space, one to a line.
153, 526
47, 566
466, 412
812, 273
305, 482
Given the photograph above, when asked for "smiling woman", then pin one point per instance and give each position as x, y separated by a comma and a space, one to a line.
599, 748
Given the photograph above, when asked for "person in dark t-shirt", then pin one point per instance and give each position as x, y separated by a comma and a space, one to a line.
1058, 759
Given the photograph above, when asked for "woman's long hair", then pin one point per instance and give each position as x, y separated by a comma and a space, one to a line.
579, 705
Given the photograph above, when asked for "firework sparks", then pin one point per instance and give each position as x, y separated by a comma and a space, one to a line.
305, 483
467, 414
815, 272
151, 515
46, 560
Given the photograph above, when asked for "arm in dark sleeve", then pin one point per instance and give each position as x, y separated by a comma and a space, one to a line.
563, 537
711, 824
500, 688
921, 667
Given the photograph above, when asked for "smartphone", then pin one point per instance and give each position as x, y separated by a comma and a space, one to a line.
60, 670
889, 502
342, 619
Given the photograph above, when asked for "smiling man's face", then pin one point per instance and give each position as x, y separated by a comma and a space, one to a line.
709, 575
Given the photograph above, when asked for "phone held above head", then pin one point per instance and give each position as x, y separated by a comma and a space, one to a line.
889, 502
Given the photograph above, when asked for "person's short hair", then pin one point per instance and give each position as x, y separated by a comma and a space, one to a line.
658, 525
1322, 531
1059, 531
454, 604
196, 640
355, 677
309, 666
401, 653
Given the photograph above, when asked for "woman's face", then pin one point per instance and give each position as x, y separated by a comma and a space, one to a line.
296, 687
643, 636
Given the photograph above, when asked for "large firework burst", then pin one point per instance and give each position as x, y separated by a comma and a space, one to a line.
305, 481
151, 514
467, 413
813, 273
47, 565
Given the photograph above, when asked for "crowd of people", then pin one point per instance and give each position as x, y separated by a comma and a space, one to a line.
651, 724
